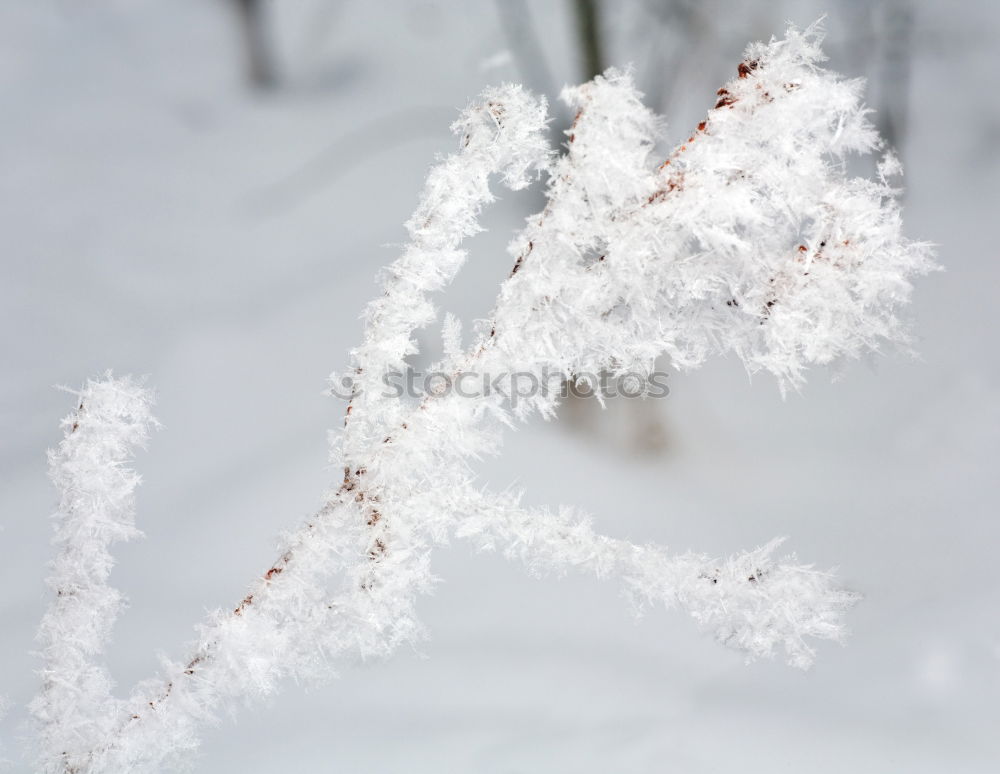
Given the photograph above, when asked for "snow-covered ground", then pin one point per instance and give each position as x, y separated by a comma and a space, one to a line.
160, 219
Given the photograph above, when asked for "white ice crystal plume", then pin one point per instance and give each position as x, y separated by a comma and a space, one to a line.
749, 238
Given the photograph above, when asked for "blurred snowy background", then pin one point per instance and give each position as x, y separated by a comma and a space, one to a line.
167, 211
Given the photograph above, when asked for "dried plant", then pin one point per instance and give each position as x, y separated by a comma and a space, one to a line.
751, 238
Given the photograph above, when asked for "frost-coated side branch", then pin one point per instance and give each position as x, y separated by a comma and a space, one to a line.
749, 602
502, 134
750, 238
96, 509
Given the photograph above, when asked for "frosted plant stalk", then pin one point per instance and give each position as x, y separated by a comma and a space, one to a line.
96, 509
750, 238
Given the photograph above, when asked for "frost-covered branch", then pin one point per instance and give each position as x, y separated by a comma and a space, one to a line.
96, 509
750, 602
750, 238
502, 134
335, 590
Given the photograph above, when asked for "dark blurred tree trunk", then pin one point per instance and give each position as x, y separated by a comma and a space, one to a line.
646, 433
880, 47
894, 78
588, 27
515, 19
253, 27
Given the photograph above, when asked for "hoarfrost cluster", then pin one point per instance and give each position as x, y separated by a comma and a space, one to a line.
749, 238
